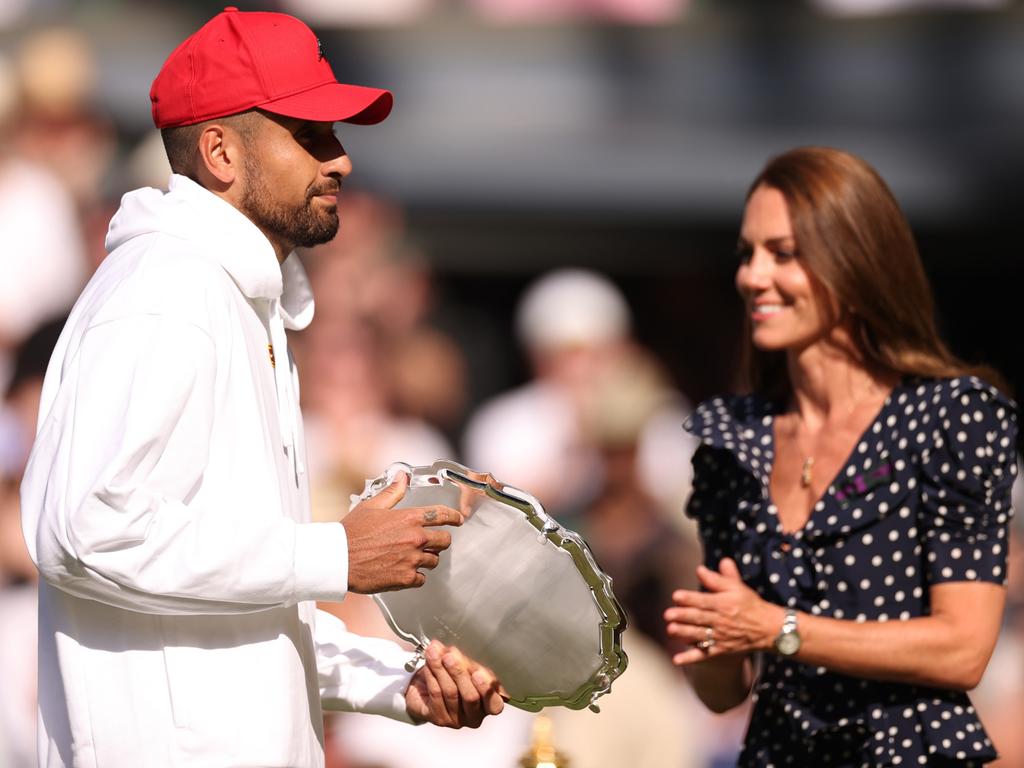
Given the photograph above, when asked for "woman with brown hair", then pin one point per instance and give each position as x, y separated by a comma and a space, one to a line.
854, 506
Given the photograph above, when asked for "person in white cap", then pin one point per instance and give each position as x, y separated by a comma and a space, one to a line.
166, 500
571, 323
575, 326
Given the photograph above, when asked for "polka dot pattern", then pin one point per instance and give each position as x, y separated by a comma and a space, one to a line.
924, 498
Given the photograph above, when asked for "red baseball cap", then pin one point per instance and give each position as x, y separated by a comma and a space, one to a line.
242, 60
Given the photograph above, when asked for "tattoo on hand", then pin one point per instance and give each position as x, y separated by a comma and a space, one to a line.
430, 515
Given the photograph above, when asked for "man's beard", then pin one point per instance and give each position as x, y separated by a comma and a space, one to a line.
294, 225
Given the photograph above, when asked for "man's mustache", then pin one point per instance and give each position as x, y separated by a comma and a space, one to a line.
326, 189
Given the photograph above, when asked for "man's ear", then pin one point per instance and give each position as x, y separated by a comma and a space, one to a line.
220, 154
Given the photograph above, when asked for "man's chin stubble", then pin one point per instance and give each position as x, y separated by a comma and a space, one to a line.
304, 228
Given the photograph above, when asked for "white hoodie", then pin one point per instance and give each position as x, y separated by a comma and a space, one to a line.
167, 507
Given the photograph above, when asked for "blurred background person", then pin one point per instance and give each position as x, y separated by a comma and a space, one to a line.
42, 255
573, 325
43, 267
18, 574
61, 126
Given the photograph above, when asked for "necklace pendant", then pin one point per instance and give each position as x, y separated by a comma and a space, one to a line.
805, 473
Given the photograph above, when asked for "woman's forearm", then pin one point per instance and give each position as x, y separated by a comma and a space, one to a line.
948, 649
723, 682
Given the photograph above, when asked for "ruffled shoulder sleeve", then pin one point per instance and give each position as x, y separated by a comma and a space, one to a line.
713, 500
734, 452
968, 466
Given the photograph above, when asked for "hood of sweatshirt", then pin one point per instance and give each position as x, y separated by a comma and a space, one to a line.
222, 232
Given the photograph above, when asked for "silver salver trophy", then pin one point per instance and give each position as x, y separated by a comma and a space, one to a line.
516, 591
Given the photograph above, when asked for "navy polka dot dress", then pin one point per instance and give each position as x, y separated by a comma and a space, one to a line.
924, 498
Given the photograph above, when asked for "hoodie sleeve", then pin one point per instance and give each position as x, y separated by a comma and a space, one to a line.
109, 496
360, 674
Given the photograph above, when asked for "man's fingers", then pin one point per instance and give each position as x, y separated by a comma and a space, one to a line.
412, 581
458, 668
437, 515
470, 699
428, 560
417, 695
489, 689
436, 541
455, 689
435, 692
394, 492
448, 691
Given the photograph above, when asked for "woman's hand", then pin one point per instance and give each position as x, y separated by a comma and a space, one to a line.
729, 618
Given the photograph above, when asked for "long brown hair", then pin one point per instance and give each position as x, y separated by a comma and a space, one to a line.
855, 241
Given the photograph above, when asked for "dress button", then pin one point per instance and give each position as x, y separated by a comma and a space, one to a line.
230, 8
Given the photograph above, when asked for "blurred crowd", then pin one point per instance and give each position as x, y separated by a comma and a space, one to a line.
594, 430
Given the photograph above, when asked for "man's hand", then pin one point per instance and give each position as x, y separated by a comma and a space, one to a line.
452, 690
387, 548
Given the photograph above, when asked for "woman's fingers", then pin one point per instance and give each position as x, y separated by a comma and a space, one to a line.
693, 656
694, 634
690, 616
692, 598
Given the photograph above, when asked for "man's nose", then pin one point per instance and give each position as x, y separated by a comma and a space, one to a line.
341, 165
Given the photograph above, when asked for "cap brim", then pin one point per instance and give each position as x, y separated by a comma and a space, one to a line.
335, 102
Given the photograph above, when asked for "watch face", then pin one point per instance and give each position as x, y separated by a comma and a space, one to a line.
788, 643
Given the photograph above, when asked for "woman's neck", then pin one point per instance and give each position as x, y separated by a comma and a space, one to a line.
828, 383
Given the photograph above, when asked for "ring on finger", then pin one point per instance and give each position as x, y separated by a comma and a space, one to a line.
708, 641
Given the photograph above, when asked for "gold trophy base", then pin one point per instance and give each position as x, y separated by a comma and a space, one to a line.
542, 753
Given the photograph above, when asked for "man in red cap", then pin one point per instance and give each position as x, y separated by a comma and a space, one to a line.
166, 502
